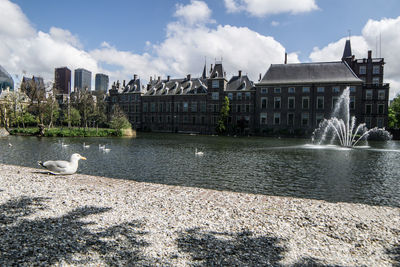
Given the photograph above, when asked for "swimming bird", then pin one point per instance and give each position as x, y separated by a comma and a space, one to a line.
9, 144
85, 146
106, 150
198, 153
64, 145
101, 147
62, 166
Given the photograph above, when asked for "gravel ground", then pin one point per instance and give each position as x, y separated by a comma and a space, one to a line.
88, 220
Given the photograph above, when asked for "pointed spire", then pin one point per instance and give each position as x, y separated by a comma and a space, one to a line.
347, 50
204, 75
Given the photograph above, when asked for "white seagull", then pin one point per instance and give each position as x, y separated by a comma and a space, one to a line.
62, 166
64, 145
85, 146
198, 153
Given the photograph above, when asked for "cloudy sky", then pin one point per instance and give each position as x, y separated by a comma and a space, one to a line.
175, 37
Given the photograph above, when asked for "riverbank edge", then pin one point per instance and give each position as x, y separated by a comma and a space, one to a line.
73, 132
186, 226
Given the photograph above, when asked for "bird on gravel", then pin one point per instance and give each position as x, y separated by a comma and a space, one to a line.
62, 166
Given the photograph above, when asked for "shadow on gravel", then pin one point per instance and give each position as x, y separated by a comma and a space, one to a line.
230, 249
66, 239
395, 255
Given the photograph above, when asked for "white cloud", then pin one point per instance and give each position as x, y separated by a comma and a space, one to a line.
374, 30
194, 13
260, 8
188, 41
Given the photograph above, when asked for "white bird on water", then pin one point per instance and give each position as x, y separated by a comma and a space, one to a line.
62, 166
64, 145
85, 146
198, 153
101, 147
106, 150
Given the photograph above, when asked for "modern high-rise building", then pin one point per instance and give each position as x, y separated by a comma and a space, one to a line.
6, 80
83, 80
101, 82
62, 80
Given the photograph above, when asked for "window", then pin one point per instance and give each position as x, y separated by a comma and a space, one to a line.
320, 102
216, 108
152, 107
215, 84
193, 107
264, 101
185, 106
277, 118
363, 70
376, 70
239, 96
247, 95
352, 102
277, 102
368, 108
238, 108
247, 108
305, 102
336, 89
290, 120
334, 101
381, 95
203, 107
306, 89
381, 108
352, 89
277, 90
380, 122
263, 118
320, 89
291, 102
368, 122
375, 80
368, 94
291, 90
230, 96
144, 107
318, 118
264, 90
214, 95
304, 119
193, 120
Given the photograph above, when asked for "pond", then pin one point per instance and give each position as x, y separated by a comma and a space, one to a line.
269, 166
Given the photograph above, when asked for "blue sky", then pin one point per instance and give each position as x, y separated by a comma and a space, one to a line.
143, 35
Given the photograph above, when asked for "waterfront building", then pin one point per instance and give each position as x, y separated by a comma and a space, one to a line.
6, 81
82, 79
33, 85
101, 82
289, 99
62, 80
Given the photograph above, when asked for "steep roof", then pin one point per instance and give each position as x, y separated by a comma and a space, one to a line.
218, 71
347, 50
182, 86
240, 83
300, 73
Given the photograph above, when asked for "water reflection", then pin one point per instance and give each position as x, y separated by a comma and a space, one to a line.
285, 167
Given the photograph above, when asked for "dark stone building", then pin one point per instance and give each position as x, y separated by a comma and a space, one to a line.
289, 99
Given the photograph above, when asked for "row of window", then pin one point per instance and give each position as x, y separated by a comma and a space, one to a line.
375, 69
305, 102
292, 90
369, 94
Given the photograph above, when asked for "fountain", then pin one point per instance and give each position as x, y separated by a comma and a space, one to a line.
342, 128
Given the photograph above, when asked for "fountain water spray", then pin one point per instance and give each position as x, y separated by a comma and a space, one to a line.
342, 127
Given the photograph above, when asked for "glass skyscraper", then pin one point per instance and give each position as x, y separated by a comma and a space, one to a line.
83, 80
101, 82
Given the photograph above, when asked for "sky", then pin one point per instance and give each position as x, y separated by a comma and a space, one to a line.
176, 37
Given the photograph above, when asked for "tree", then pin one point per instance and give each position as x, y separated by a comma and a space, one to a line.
394, 113
51, 109
222, 124
75, 117
85, 105
119, 120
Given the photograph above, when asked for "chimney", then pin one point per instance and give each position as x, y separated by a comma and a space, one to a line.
211, 70
134, 77
188, 77
285, 58
369, 54
224, 73
259, 77
240, 73
123, 84
151, 78
159, 79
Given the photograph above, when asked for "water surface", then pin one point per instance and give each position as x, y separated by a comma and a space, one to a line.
270, 166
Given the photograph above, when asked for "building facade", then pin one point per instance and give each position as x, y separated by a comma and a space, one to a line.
62, 80
33, 85
82, 80
6, 81
101, 82
289, 99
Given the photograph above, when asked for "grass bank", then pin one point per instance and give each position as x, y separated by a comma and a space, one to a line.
68, 132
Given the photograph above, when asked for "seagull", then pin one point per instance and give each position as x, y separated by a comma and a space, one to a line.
9, 144
61, 166
198, 153
106, 150
85, 146
101, 147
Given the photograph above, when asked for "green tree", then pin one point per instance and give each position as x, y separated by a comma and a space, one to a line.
119, 120
222, 124
394, 113
51, 110
75, 117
